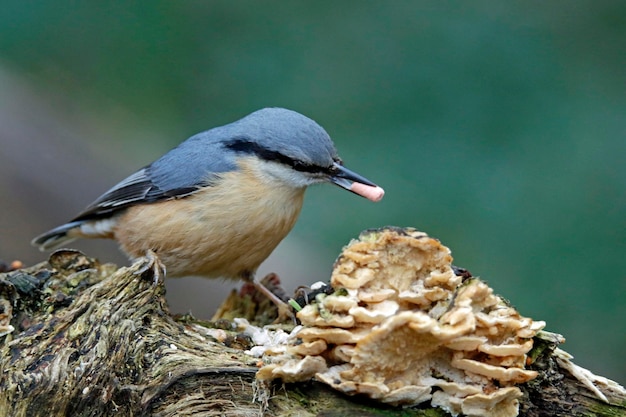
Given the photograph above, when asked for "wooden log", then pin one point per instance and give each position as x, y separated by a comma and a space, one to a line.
84, 339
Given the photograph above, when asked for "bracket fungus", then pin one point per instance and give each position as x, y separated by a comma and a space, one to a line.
402, 328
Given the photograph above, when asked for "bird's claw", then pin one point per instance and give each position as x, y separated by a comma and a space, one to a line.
151, 262
285, 314
285, 311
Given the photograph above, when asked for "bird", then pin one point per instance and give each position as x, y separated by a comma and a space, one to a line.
219, 203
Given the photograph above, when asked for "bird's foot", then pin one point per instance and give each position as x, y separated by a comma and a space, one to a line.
151, 262
270, 287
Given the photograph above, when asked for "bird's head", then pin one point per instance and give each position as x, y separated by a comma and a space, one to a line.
295, 150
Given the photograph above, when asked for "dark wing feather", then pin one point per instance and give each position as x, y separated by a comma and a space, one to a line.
137, 188
195, 163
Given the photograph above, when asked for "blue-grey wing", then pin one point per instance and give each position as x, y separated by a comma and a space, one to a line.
195, 163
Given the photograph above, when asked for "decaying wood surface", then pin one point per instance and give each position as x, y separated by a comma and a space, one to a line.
84, 339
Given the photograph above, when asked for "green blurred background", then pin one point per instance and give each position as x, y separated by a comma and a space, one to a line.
497, 127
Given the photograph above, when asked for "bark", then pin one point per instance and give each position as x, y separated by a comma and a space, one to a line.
85, 339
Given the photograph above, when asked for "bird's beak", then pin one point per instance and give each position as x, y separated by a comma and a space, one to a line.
355, 183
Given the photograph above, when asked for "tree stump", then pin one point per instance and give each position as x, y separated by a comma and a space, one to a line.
80, 338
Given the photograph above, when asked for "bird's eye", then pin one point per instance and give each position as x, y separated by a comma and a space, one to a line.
298, 165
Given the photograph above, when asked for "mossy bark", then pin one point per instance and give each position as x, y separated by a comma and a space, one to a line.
85, 339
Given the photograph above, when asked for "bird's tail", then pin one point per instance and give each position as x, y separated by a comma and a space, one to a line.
56, 237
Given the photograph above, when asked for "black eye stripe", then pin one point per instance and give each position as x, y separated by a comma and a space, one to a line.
243, 145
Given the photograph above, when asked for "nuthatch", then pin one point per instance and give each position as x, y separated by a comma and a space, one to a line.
219, 203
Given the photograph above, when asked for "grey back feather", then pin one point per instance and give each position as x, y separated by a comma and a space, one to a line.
200, 160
